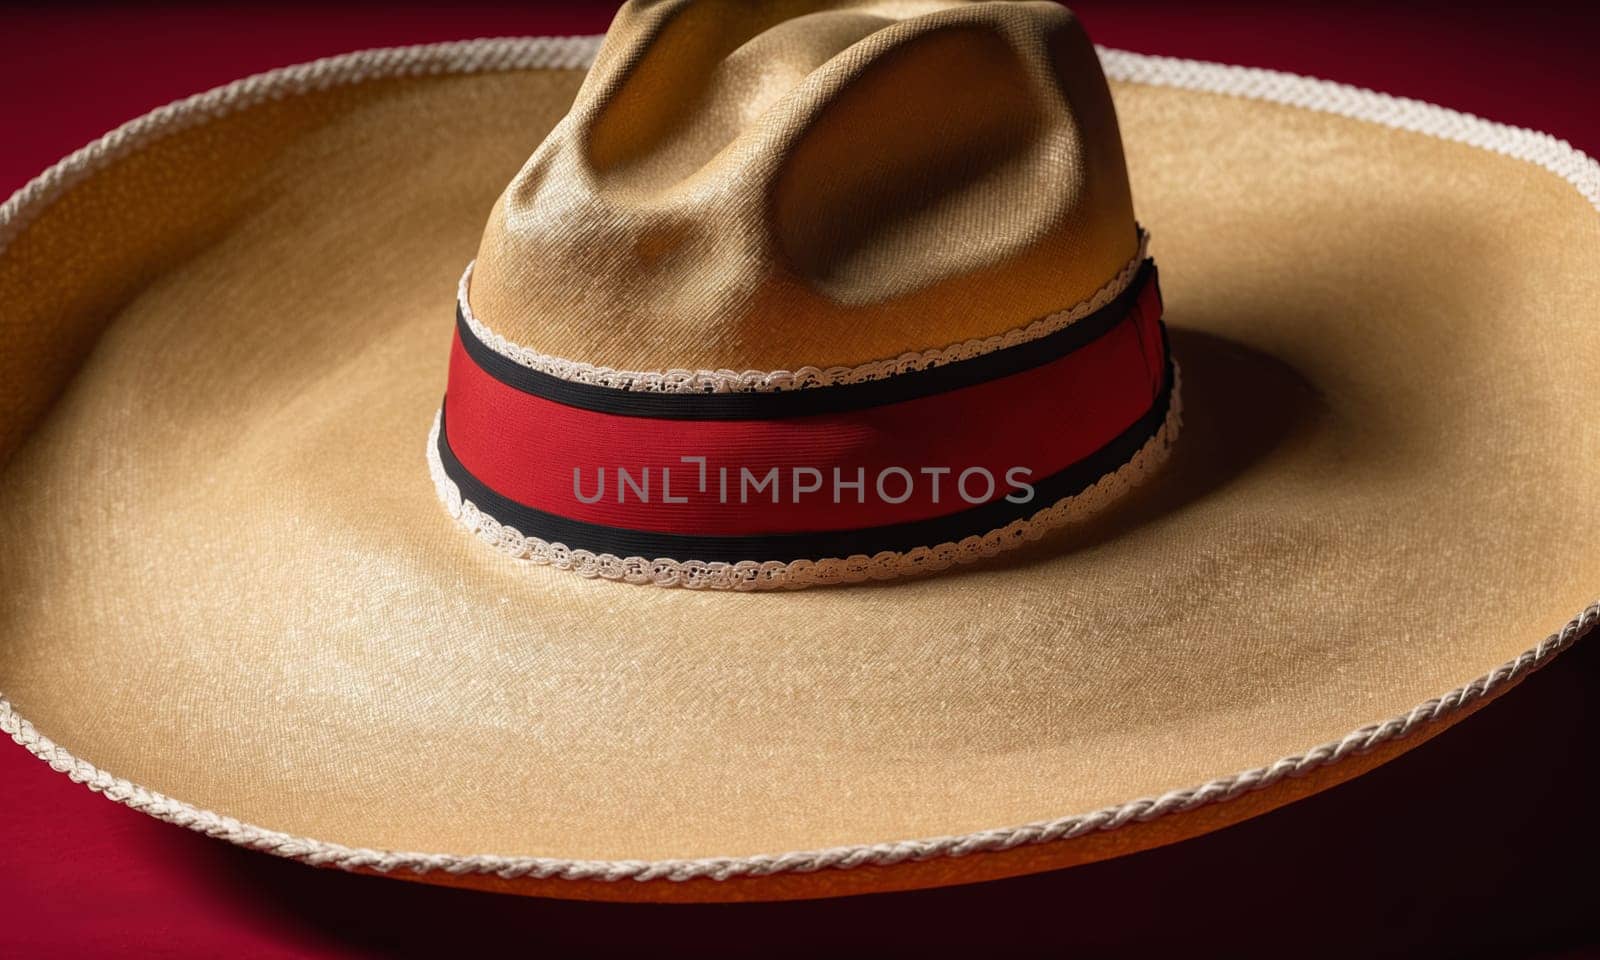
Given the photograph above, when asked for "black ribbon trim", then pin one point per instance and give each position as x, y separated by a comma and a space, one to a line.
622, 542
810, 400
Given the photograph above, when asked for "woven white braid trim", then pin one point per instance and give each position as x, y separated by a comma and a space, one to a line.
1402, 113
459, 57
772, 381
320, 853
1541, 149
749, 575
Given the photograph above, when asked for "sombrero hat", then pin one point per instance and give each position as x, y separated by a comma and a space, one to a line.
262, 583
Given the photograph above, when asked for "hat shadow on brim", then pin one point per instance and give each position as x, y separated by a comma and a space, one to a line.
1239, 406
1242, 405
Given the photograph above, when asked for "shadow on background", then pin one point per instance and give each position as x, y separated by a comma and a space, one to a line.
1481, 842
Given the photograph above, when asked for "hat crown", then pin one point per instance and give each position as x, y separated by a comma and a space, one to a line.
771, 185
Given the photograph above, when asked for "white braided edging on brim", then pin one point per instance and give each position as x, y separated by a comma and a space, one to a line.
321, 853
773, 381
748, 575
457, 57
1324, 96
1540, 149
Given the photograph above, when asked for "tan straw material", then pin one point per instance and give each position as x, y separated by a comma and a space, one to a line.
229, 581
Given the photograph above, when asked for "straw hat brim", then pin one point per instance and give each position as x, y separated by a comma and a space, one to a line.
233, 599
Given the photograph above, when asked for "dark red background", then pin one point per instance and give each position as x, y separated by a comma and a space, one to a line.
1479, 843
